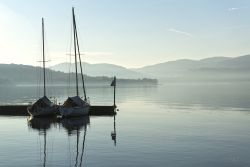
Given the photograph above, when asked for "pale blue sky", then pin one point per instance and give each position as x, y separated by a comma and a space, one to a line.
131, 33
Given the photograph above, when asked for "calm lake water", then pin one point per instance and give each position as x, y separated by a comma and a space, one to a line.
175, 125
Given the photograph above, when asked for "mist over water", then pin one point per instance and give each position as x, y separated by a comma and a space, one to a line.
171, 124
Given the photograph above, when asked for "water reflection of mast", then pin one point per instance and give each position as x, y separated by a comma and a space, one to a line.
113, 134
83, 143
44, 150
73, 126
77, 143
42, 125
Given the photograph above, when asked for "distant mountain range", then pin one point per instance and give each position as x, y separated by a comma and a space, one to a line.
102, 69
209, 69
209, 65
13, 74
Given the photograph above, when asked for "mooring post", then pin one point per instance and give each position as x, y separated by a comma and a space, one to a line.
114, 90
113, 83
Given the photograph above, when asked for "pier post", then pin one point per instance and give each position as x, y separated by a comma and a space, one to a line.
114, 91
114, 85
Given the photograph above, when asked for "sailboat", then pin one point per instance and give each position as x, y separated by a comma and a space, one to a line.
75, 106
43, 106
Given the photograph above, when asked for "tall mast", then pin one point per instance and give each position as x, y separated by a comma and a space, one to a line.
73, 14
44, 83
79, 54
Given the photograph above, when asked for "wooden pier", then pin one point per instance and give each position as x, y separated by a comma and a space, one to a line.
21, 110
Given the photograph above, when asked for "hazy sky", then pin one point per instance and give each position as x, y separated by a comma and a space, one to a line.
131, 33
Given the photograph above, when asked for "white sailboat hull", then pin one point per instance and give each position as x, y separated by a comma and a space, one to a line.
40, 112
74, 111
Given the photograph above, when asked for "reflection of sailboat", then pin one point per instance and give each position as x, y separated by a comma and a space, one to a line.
43, 106
113, 133
73, 126
42, 125
75, 106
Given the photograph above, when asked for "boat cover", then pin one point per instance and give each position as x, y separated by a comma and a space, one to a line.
74, 101
42, 102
